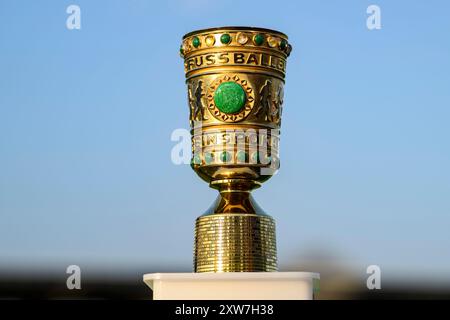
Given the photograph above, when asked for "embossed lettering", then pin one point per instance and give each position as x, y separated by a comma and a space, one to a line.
210, 59
239, 58
223, 58
252, 59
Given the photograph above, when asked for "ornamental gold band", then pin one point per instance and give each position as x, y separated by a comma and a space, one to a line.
235, 79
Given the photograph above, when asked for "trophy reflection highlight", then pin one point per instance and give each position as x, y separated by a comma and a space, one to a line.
235, 78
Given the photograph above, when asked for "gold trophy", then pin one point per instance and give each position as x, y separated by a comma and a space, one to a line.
235, 78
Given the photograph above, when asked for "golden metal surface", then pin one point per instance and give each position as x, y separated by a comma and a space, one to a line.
235, 79
230, 242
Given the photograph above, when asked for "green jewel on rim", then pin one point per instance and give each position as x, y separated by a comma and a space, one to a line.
283, 44
258, 39
225, 156
196, 159
255, 157
196, 42
288, 49
225, 38
229, 97
241, 156
209, 157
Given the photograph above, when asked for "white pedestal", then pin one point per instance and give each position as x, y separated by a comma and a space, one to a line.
233, 285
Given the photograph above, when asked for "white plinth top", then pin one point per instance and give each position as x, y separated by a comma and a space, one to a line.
226, 276
232, 285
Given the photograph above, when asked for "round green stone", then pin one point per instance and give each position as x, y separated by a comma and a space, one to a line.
283, 44
225, 156
229, 97
196, 159
258, 39
241, 156
255, 157
196, 42
181, 50
225, 38
209, 158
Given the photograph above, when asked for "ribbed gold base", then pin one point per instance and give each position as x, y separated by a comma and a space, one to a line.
228, 242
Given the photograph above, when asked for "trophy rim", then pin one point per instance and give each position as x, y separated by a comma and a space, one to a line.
235, 28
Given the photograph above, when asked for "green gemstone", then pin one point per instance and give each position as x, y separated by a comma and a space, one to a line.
225, 38
229, 97
181, 50
196, 159
255, 157
258, 39
288, 49
283, 44
209, 158
225, 156
241, 156
196, 42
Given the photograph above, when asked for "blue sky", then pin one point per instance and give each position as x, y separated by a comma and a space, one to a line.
86, 117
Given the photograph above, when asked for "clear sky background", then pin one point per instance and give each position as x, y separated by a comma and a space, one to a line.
86, 116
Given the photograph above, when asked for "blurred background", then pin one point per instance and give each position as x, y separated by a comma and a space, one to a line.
86, 116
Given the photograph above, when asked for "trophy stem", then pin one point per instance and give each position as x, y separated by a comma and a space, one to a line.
235, 235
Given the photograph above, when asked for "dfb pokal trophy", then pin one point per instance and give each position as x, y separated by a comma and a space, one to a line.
235, 88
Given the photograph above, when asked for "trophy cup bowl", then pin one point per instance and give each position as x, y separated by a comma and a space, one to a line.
235, 79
